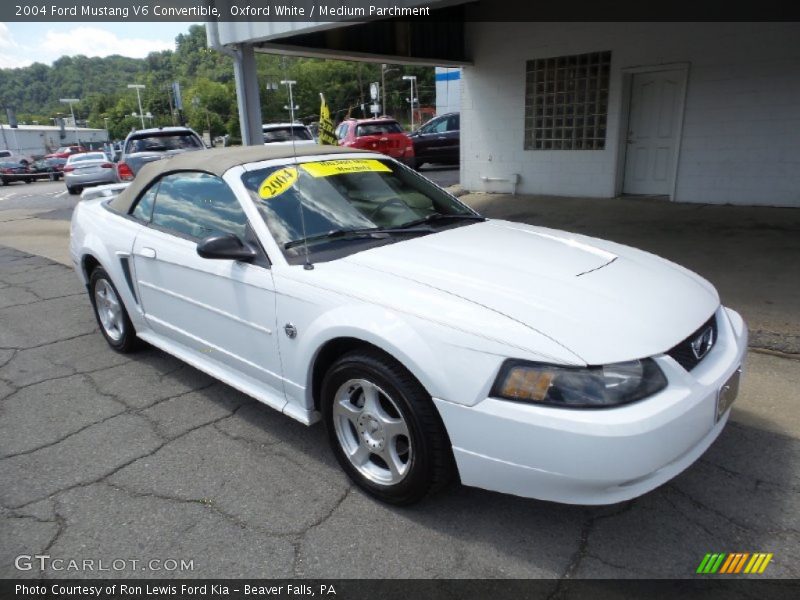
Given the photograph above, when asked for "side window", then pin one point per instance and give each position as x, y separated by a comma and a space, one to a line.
341, 132
144, 207
440, 126
198, 205
453, 123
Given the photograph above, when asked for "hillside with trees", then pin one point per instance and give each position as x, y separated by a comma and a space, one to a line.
207, 88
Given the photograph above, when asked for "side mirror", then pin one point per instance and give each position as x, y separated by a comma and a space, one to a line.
225, 246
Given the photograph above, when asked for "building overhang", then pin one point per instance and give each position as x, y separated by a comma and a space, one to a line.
437, 39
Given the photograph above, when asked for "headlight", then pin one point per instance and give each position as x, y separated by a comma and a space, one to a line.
570, 387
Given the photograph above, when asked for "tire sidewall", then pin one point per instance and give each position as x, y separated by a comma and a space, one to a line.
126, 340
417, 481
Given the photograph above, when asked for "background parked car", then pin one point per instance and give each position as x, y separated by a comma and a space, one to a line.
89, 168
147, 145
381, 134
437, 141
48, 168
287, 133
14, 170
66, 152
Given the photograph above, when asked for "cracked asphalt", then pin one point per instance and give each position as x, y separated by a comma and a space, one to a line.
104, 456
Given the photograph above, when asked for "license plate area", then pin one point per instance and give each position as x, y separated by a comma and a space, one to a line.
728, 392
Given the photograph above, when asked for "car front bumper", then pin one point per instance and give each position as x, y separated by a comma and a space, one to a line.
588, 456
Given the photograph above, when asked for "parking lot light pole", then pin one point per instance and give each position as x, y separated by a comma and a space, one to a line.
72, 101
412, 79
137, 87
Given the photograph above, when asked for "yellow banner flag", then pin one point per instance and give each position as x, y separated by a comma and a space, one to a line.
327, 136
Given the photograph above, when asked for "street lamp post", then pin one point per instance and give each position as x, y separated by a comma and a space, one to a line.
291, 107
412, 79
137, 87
72, 101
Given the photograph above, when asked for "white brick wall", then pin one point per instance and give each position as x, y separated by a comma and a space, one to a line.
741, 132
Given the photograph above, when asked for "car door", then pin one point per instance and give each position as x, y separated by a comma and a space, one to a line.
451, 151
431, 141
222, 309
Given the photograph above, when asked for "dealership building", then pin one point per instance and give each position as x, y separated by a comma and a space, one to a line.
695, 112
37, 140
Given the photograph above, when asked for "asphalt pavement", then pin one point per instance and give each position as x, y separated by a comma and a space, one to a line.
143, 458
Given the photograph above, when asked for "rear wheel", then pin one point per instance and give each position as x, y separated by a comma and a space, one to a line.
110, 312
384, 429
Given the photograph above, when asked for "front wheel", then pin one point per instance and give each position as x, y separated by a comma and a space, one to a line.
384, 428
110, 312
73, 190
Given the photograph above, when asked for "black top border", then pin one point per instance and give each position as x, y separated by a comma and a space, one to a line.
48, 11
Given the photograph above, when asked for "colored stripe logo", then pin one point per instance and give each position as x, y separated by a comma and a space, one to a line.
733, 563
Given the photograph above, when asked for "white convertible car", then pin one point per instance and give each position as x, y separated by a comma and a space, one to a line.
344, 287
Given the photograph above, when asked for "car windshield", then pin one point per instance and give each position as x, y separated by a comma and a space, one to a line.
164, 142
347, 195
286, 134
381, 128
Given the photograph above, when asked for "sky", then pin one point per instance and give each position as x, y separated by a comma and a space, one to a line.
22, 44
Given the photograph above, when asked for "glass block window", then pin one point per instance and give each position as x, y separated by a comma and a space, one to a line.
566, 102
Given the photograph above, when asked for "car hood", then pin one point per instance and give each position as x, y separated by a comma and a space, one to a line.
604, 302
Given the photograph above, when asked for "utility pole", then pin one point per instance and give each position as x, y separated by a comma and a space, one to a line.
71, 101
137, 87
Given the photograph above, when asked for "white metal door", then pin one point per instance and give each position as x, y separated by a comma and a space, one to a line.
221, 308
653, 125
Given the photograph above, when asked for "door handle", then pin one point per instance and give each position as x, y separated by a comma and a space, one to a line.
441, 137
147, 252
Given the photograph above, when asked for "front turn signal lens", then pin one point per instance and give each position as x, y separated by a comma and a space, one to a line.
526, 384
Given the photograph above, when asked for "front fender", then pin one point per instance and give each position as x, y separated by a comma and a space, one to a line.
395, 335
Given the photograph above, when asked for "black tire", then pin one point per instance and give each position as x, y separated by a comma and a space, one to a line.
429, 465
73, 190
29, 180
126, 341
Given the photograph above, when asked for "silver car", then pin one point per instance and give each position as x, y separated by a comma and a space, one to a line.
87, 169
147, 145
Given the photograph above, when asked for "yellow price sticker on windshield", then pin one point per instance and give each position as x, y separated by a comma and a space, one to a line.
343, 166
277, 183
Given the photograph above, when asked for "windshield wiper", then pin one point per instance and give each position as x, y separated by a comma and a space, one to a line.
355, 234
443, 217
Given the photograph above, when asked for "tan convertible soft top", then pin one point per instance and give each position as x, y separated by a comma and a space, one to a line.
216, 162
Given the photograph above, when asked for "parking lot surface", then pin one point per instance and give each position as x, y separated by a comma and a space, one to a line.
140, 457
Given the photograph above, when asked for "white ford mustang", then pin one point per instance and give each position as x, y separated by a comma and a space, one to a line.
431, 341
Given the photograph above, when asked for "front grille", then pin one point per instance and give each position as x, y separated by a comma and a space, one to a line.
683, 353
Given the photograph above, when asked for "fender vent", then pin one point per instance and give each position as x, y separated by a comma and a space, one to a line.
124, 261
